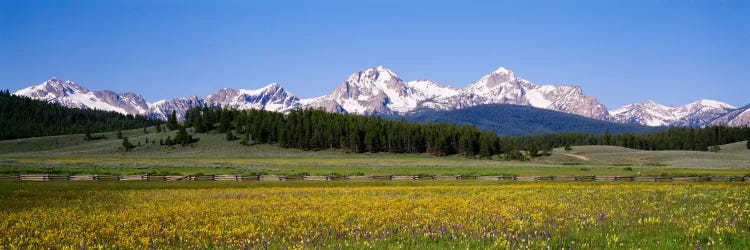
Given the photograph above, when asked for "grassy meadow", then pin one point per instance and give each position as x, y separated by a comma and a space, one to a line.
212, 154
363, 214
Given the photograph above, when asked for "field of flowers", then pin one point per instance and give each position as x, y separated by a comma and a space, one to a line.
375, 215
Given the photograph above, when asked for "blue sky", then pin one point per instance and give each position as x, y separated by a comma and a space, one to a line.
621, 52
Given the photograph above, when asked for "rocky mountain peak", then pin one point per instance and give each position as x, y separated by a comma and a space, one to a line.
51, 89
270, 97
273, 89
273, 85
374, 74
501, 81
503, 71
651, 104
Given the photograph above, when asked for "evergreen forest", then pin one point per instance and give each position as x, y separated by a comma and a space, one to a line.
310, 129
22, 117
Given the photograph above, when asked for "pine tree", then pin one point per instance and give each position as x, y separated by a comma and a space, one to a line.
372, 139
182, 137
187, 119
119, 134
515, 155
568, 147
748, 144
126, 144
547, 151
145, 130
158, 126
245, 139
607, 138
225, 122
486, 144
172, 121
230, 136
197, 121
88, 133
533, 151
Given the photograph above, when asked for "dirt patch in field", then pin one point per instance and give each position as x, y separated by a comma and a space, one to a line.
580, 157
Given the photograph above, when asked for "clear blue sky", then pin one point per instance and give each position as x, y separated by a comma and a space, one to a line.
673, 52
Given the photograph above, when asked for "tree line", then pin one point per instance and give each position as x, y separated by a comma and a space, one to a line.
310, 129
22, 117
694, 139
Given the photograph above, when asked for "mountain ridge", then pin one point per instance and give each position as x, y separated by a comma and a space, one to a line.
695, 114
380, 91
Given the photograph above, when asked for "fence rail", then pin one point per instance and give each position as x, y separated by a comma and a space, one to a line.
237, 177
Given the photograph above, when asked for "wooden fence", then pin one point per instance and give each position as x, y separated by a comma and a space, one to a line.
237, 177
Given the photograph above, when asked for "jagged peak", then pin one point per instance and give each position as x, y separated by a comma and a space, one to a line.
496, 79
53, 81
131, 94
382, 68
274, 86
57, 85
174, 100
271, 87
652, 103
702, 103
503, 70
648, 104
425, 82
377, 73
190, 98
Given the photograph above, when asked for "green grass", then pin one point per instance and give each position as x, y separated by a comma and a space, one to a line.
71, 154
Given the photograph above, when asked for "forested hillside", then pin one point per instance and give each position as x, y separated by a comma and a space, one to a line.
315, 130
517, 120
22, 117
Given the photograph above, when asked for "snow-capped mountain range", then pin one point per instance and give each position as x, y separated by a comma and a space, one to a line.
650, 113
379, 90
72, 95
